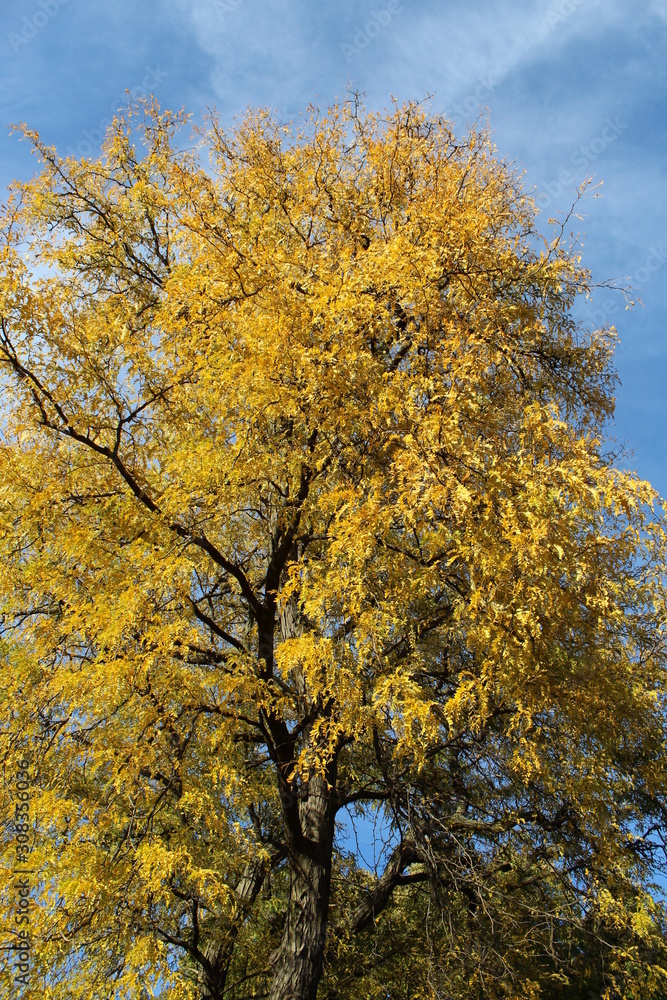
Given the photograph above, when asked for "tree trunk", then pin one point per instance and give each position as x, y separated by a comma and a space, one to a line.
214, 963
299, 959
309, 829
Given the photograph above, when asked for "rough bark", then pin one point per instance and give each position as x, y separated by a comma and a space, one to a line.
214, 958
299, 958
309, 820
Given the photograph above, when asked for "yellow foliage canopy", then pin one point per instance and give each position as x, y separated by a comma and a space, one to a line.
305, 505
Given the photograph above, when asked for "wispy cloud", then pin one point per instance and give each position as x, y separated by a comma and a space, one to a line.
553, 74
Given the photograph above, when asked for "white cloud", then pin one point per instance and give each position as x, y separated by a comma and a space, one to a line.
295, 48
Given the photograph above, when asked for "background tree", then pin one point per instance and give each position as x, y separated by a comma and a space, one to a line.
306, 505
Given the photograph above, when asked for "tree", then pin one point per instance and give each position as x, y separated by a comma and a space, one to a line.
306, 505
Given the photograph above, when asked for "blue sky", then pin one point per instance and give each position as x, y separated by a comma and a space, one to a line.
572, 88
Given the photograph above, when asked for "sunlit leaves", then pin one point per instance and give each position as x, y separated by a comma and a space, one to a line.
303, 477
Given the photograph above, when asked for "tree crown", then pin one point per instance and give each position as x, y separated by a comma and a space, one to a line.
306, 505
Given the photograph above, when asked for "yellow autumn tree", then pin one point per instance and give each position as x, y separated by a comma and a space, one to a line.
306, 506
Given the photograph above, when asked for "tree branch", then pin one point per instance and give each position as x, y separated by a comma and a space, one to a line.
402, 856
